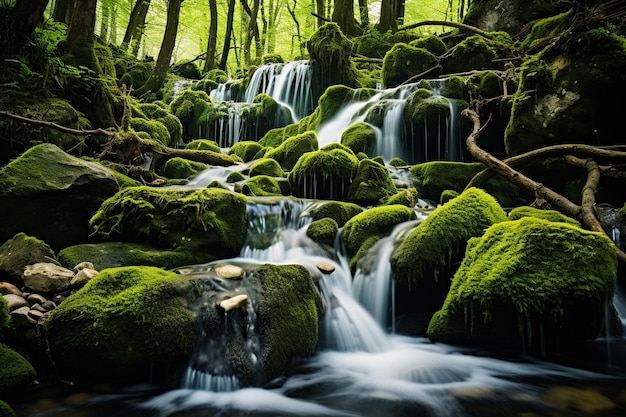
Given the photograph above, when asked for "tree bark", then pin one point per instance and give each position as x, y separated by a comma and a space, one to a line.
211, 48
364, 14
155, 81
55, 126
136, 22
320, 13
228, 35
343, 15
25, 16
83, 21
63, 11
391, 12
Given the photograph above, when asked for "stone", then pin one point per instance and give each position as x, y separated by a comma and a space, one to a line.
82, 277
36, 299
15, 301
49, 305
38, 307
8, 288
83, 265
47, 277
234, 302
35, 314
326, 267
229, 271
21, 318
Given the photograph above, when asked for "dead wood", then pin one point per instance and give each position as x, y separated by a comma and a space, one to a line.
52, 125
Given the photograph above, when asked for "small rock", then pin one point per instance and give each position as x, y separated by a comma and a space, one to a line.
20, 317
58, 298
15, 301
229, 271
8, 288
49, 305
83, 265
234, 302
47, 277
36, 299
35, 315
38, 307
82, 277
326, 267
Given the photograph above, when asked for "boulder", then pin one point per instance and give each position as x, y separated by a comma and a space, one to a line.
47, 277
22, 250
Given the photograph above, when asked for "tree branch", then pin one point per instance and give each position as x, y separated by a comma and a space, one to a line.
52, 125
456, 25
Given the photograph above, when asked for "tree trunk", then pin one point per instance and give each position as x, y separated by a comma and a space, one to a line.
155, 81
113, 24
364, 13
298, 36
104, 19
320, 11
228, 35
83, 21
25, 16
391, 13
343, 15
63, 11
136, 23
211, 48
252, 31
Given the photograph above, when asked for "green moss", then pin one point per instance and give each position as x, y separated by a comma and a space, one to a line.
433, 178
154, 128
5, 318
546, 29
245, 149
431, 43
187, 69
397, 162
114, 254
182, 168
273, 59
213, 218
403, 197
289, 152
16, 373
441, 238
6, 410
549, 215
473, 53
366, 228
339, 211
288, 315
526, 274
203, 144
454, 88
323, 231
403, 62
234, 176
371, 184
189, 106
488, 84
157, 112
261, 185
266, 166
373, 44
448, 195
130, 318
360, 137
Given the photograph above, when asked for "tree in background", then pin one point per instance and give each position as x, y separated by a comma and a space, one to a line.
136, 26
343, 15
211, 48
25, 16
391, 13
228, 35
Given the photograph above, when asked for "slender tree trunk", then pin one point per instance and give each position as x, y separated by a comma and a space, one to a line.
320, 9
113, 24
62, 11
298, 36
211, 48
364, 13
391, 11
25, 16
228, 35
252, 31
136, 23
343, 15
104, 19
155, 81
83, 21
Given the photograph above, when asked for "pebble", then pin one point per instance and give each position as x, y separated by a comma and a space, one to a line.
229, 271
8, 288
325, 267
15, 301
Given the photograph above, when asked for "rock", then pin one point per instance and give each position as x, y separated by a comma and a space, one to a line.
35, 314
83, 265
326, 267
38, 307
21, 318
47, 277
15, 301
22, 250
229, 271
49, 305
234, 302
8, 288
36, 299
82, 277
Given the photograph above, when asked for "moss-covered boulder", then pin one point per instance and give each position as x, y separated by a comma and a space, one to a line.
19, 251
52, 195
162, 114
323, 231
339, 211
323, 174
403, 62
211, 218
261, 185
371, 184
289, 152
114, 254
473, 53
439, 241
289, 312
562, 93
360, 137
187, 69
266, 166
362, 231
16, 373
432, 43
529, 282
189, 106
203, 145
180, 168
245, 149
122, 324
549, 215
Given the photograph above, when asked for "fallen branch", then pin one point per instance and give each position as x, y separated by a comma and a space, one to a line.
543, 194
52, 125
456, 25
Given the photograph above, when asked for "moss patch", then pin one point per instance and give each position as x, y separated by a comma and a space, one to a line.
549, 215
16, 373
289, 151
371, 184
403, 62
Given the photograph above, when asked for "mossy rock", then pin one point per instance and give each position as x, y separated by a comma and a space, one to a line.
360, 137
266, 166
323, 174
547, 29
372, 44
527, 278
261, 185
371, 184
289, 152
6, 410
323, 231
189, 107
235, 176
272, 59
162, 114
154, 128
362, 231
115, 254
5, 318
123, 323
182, 168
562, 94
70, 189
245, 149
187, 69
211, 218
440, 239
16, 373
289, 313
22, 250
473, 53
203, 145
432, 43
549, 215
339, 211
403, 62
403, 197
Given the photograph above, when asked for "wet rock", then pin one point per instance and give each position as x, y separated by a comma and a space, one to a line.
234, 302
8, 288
15, 301
326, 267
21, 318
82, 277
38, 307
229, 271
35, 314
49, 305
586, 400
47, 277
